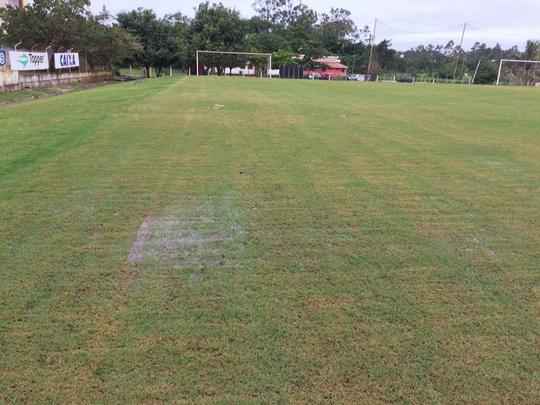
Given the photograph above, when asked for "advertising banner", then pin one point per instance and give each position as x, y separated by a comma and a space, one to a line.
29, 60
66, 60
3, 57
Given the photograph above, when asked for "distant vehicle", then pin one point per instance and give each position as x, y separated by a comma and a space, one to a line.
405, 78
356, 77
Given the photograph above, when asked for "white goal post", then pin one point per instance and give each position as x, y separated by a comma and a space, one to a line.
503, 61
267, 55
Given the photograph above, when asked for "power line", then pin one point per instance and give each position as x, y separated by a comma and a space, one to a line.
400, 31
442, 36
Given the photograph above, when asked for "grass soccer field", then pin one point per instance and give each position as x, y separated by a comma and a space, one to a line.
269, 241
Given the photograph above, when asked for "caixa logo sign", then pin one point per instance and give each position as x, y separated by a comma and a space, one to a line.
66, 60
3, 57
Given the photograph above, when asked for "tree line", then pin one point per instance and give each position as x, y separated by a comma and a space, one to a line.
286, 28
63, 25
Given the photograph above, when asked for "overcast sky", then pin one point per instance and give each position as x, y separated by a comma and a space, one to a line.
407, 23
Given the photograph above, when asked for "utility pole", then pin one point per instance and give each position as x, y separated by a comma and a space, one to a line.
372, 40
460, 48
476, 70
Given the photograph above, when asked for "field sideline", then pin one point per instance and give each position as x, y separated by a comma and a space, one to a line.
271, 241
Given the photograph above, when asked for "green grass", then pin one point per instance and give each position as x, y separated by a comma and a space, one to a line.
256, 241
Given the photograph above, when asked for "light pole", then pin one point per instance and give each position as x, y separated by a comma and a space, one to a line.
17, 44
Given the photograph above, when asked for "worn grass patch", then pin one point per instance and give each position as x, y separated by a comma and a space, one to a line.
194, 235
25, 95
262, 241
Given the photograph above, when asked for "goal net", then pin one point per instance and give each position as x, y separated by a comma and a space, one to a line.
225, 63
519, 72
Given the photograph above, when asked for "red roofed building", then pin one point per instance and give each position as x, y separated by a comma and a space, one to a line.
329, 68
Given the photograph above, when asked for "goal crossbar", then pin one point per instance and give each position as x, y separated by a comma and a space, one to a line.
267, 55
533, 62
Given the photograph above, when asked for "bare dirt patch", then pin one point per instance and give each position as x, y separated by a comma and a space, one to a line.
20, 96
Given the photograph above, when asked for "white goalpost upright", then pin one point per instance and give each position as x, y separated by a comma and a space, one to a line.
503, 61
267, 55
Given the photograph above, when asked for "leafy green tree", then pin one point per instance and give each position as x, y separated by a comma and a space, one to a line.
532, 52
261, 36
56, 23
270, 10
286, 28
300, 28
181, 27
284, 57
66, 25
291, 24
337, 30
356, 56
218, 28
159, 38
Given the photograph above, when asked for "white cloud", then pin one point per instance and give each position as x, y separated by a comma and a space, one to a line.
406, 23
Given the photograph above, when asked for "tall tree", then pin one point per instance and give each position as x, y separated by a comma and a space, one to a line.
300, 23
269, 10
337, 29
181, 27
218, 28
66, 24
532, 52
56, 23
158, 38
260, 36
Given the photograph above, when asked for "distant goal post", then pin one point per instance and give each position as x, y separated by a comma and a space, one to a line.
517, 61
257, 54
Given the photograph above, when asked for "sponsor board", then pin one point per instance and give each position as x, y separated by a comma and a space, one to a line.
3, 57
29, 60
66, 60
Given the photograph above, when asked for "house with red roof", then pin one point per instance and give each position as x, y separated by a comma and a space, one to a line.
327, 68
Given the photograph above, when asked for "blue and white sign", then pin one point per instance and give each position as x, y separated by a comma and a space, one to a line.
66, 60
29, 60
3, 57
